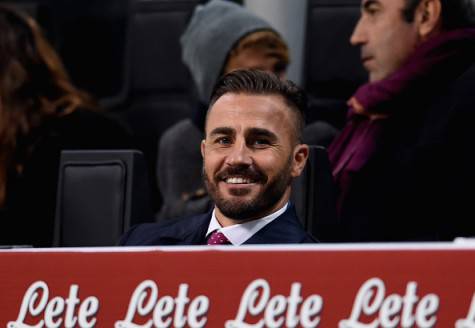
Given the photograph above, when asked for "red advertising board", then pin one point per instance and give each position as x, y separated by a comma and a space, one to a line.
351, 286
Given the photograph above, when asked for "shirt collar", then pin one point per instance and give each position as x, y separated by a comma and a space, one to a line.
237, 234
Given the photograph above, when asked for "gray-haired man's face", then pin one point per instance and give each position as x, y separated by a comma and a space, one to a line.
385, 38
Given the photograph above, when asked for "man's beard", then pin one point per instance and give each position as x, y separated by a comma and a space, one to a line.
241, 210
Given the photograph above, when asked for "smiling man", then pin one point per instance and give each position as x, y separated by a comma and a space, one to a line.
251, 152
404, 162
221, 37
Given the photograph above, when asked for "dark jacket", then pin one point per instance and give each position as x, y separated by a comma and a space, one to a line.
286, 229
419, 184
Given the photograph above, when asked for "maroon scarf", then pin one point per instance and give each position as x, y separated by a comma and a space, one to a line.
439, 59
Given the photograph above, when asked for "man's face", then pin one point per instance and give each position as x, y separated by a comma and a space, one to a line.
386, 39
250, 155
252, 58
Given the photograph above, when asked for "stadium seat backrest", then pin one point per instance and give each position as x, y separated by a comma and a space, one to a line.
101, 193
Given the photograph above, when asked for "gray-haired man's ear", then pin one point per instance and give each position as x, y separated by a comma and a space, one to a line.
428, 18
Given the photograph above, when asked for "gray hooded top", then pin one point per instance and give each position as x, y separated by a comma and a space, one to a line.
211, 34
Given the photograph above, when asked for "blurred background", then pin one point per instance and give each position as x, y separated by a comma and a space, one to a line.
126, 53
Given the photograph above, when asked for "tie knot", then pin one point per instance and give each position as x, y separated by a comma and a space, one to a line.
217, 238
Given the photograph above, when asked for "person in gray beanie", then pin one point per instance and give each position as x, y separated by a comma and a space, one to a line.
213, 31
221, 37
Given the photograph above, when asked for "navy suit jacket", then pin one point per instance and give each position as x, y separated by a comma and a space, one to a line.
286, 229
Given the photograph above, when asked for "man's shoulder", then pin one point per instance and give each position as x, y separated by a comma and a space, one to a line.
464, 85
286, 229
184, 231
455, 104
295, 230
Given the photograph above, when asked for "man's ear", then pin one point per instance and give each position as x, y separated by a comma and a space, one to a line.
299, 159
428, 18
202, 147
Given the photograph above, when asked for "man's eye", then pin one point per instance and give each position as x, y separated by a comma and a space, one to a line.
223, 141
372, 10
261, 142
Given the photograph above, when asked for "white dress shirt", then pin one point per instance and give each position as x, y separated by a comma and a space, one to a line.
237, 234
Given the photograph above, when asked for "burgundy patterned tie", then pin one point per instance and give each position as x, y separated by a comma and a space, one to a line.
217, 238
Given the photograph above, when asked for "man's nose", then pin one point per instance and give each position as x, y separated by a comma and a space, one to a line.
239, 154
358, 37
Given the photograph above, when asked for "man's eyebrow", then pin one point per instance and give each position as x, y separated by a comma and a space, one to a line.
221, 131
260, 132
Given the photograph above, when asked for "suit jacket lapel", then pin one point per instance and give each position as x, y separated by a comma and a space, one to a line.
286, 229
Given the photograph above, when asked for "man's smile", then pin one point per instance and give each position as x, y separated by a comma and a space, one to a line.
238, 180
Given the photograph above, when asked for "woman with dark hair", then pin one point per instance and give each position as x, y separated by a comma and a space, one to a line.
41, 113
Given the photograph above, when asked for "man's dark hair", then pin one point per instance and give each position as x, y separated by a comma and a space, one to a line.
256, 82
455, 13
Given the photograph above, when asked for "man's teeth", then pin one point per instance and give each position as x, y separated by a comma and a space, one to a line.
237, 180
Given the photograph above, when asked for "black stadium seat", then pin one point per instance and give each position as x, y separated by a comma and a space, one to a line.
314, 196
101, 193
127, 54
159, 86
332, 66
90, 38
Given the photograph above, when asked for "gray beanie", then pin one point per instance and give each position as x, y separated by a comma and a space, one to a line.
211, 34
